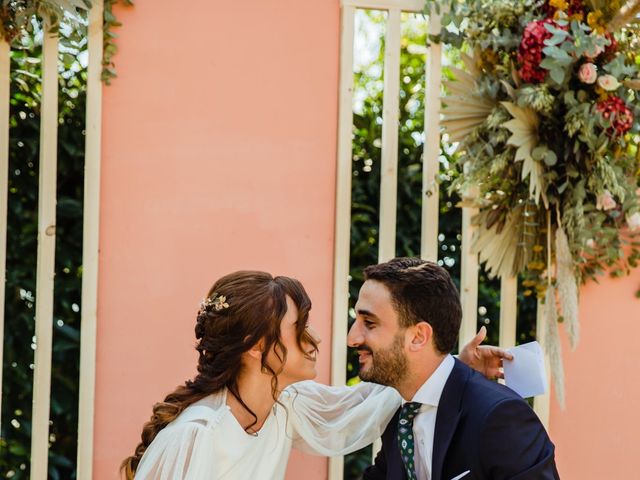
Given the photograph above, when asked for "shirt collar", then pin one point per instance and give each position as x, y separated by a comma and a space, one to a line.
431, 390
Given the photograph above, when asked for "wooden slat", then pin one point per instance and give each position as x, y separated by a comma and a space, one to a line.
343, 216
390, 119
508, 311
46, 257
542, 403
430, 163
5, 81
90, 244
402, 5
468, 280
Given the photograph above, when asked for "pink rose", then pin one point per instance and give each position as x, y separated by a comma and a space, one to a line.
633, 221
588, 73
608, 82
594, 52
606, 201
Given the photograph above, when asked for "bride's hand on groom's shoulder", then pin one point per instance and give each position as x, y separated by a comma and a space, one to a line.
485, 359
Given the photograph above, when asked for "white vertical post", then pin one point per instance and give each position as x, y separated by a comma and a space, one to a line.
542, 403
91, 224
468, 280
46, 256
390, 119
389, 164
343, 216
430, 159
508, 311
5, 85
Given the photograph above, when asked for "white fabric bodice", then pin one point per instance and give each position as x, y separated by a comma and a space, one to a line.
207, 442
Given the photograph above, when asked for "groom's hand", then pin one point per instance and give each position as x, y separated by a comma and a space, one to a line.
485, 359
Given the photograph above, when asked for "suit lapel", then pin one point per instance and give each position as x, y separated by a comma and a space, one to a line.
448, 416
395, 467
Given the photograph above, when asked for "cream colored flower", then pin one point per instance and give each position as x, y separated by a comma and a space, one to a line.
608, 82
591, 243
606, 201
634, 221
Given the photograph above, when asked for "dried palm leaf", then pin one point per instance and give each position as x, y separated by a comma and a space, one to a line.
552, 343
598, 4
464, 109
511, 91
632, 84
471, 65
626, 15
567, 287
498, 244
524, 135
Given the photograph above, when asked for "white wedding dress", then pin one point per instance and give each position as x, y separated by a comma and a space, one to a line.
205, 442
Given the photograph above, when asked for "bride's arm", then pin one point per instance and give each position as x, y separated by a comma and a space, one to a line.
338, 420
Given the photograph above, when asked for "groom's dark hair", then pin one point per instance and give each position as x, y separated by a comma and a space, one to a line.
422, 291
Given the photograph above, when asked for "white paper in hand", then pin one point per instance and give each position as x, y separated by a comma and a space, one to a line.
525, 374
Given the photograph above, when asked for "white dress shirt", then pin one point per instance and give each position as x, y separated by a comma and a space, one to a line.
424, 423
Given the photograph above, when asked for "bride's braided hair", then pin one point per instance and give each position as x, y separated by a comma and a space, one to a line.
241, 309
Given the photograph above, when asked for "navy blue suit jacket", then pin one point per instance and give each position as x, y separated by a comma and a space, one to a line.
481, 426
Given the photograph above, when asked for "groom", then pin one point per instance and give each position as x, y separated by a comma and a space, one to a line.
454, 423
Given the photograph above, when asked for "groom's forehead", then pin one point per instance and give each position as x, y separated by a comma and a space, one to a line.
374, 299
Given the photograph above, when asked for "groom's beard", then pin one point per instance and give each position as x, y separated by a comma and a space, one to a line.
388, 366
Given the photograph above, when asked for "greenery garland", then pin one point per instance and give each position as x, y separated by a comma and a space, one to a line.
546, 116
16, 19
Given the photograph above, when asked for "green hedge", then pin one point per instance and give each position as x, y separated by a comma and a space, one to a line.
15, 441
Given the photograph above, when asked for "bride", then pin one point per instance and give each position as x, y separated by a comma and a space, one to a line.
249, 405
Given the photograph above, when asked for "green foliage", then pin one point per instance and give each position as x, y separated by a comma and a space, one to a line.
16, 16
15, 437
110, 46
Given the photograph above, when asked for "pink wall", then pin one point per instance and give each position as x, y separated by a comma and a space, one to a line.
597, 435
216, 109
219, 154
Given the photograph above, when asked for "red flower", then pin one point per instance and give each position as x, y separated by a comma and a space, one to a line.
616, 111
610, 50
530, 51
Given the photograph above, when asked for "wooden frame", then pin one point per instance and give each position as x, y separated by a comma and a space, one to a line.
46, 257
90, 253
5, 84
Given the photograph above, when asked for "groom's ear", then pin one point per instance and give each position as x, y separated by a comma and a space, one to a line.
421, 336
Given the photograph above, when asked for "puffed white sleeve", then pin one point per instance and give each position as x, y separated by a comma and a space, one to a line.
338, 420
180, 452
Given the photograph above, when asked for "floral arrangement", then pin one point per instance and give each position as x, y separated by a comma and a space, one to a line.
547, 119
